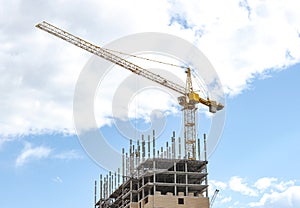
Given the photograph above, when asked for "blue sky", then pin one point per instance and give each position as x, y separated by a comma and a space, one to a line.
257, 142
260, 138
255, 163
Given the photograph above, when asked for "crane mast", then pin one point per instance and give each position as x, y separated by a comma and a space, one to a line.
188, 100
189, 111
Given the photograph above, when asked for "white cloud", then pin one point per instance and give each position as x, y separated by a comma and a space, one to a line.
236, 203
68, 155
242, 45
39, 72
226, 200
217, 184
30, 153
141, 105
290, 198
283, 185
264, 183
57, 179
237, 184
266, 192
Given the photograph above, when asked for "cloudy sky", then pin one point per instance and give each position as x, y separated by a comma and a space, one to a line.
254, 47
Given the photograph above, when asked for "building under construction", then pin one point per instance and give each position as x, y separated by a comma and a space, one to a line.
152, 177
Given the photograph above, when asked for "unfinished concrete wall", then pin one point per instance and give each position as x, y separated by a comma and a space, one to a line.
171, 201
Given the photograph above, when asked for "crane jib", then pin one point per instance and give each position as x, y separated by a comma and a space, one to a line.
96, 50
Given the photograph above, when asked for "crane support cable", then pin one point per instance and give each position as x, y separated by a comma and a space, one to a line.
147, 59
96, 50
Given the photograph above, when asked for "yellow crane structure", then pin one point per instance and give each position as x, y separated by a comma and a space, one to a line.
188, 100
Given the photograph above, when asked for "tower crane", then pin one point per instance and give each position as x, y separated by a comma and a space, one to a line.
214, 197
188, 99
